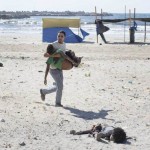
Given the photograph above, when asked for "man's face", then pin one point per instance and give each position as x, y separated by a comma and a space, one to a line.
61, 37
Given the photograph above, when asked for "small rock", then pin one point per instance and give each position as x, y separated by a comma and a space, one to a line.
35, 138
21, 82
8, 146
118, 122
54, 134
2, 120
1, 65
88, 74
72, 132
103, 90
40, 71
22, 144
130, 82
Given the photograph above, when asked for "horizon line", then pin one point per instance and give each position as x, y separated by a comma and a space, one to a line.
73, 11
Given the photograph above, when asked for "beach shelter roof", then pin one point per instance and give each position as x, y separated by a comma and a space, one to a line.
59, 22
121, 20
51, 26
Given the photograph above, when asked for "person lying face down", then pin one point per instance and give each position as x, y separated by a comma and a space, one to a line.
68, 55
117, 135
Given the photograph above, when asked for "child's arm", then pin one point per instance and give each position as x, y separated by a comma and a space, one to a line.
48, 55
83, 132
46, 73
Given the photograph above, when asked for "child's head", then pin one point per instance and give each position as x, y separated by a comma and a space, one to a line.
61, 36
50, 49
118, 135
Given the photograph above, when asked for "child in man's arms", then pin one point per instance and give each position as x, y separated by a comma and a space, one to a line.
66, 61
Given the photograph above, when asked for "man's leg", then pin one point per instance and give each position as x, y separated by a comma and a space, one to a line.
103, 37
58, 77
58, 86
49, 90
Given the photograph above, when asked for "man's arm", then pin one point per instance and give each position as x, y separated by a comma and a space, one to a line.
46, 73
48, 55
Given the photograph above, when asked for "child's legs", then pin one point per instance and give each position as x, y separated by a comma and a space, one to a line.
66, 65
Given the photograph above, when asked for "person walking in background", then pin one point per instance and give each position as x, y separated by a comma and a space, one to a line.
100, 29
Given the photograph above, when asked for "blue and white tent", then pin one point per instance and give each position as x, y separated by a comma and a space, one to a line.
52, 26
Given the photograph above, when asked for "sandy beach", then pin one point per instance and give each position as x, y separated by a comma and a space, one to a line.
111, 86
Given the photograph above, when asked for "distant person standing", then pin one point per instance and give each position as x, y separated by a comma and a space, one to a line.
100, 29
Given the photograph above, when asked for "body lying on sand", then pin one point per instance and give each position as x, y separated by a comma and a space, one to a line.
110, 133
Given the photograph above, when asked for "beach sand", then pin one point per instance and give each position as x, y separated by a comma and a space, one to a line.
112, 86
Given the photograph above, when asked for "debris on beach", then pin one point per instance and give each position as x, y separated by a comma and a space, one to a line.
35, 138
22, 57
130, 82
148, 124
22, 144
72, 132
22, 82
2, 120
103, 90
1, 65
88, 74
8, 146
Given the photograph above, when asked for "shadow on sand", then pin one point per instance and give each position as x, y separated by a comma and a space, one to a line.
89, 115
107, 142
88, 42
127, 43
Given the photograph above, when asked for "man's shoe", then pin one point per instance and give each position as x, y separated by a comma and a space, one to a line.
58, 105
42, 95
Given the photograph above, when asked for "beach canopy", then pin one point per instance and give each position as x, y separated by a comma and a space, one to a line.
51, 26
121, 20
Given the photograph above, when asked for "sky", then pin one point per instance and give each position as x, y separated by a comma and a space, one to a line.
112, 6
